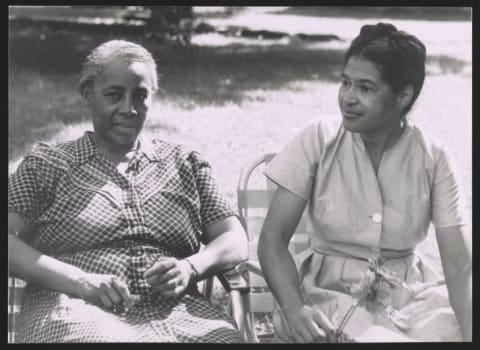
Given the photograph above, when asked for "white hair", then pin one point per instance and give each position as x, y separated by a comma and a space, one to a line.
104, 53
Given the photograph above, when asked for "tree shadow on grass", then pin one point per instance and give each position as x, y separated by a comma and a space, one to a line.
213, 76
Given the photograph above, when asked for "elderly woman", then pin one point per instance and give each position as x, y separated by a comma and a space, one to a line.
373, 185
107, 229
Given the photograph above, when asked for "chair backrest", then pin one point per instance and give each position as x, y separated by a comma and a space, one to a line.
16, 288
254, 192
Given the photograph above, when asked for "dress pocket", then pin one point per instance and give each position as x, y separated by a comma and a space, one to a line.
352, 270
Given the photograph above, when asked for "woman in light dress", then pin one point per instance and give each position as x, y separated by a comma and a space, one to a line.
371, 187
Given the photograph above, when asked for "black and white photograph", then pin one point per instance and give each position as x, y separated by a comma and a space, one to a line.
239, 174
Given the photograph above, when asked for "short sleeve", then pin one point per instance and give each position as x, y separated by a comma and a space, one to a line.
214, 204
30, 188
448, 207
294, 167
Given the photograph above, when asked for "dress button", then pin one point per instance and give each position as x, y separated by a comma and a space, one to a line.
377, 218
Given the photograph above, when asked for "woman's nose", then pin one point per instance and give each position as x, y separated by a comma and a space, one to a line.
128, 107
350, 97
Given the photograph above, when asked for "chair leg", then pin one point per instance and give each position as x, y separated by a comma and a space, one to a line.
249, 322
241, 313
238, 312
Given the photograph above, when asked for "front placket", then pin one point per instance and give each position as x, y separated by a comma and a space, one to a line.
137, 232
374, 199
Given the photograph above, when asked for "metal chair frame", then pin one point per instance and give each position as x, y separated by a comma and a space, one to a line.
249, 199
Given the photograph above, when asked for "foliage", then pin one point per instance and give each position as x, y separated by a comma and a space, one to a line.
171, 23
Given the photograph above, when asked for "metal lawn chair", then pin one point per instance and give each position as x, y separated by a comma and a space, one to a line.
254, 193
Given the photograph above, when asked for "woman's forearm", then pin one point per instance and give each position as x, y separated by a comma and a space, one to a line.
454, 244
459, 284
280, 272
37, 268
225, 251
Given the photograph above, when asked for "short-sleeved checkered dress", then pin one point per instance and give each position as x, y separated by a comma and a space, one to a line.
91, 216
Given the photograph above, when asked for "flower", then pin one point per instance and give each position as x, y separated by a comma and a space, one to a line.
361, 289
374, 292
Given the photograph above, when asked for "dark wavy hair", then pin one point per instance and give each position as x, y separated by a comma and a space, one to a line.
399, 56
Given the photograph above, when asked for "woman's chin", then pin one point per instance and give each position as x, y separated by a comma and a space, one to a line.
350, 125
124, 139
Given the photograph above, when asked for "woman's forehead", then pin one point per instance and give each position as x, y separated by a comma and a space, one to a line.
120, 70
360, 68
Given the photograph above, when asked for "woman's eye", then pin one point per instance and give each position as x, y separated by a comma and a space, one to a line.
345, 83
366, 89
113, 95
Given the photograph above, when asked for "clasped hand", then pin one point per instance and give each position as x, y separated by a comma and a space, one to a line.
308, 325
169, 277
106, 291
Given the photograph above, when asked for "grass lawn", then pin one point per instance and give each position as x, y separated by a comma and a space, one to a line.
230, 103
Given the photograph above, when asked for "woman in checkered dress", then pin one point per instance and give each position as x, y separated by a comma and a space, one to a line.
107, 228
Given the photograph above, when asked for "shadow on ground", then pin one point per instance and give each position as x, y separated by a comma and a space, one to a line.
189, 76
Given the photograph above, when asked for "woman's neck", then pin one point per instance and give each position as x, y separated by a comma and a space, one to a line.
118, 154
379, 140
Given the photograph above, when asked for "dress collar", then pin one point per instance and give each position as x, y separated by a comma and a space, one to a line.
85, 148
407, 129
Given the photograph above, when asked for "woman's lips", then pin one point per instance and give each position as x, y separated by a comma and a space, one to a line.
351, 115
125, 126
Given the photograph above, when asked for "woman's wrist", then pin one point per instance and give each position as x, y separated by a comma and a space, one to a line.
76, 282
293, 306
194, 275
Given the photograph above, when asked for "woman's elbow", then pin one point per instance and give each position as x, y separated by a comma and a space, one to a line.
238, 246
265, 245
241, 248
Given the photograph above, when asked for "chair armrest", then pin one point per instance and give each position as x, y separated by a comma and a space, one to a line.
234, 282
250, 266
233, 279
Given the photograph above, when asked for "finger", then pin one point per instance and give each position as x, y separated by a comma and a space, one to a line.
323, 321
162, 278
105, 300
166, 286
160, 267
326, 326
307, 335
175, 292
299, 336
316, 332
123, 291
114, 297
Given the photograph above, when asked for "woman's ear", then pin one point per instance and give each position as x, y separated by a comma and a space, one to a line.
405, 97
87, 93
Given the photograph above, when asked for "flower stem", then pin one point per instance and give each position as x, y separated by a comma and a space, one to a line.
347, 316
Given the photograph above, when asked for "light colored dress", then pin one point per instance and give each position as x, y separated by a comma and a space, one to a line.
91, 216
354, 215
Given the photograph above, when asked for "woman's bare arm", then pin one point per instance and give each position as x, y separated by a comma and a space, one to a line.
37, 268
456, 255
284, 214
